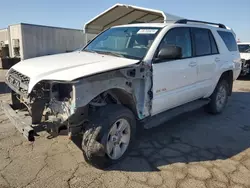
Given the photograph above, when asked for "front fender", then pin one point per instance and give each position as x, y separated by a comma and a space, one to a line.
88, 88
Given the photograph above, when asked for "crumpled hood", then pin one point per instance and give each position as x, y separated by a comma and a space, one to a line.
245, 56
69, 66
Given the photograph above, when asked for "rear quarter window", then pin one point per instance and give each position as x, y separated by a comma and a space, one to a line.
229, 40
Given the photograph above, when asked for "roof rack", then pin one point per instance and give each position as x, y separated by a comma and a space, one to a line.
184, 21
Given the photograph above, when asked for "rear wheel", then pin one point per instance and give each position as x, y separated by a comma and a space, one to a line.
219, 98
109, 136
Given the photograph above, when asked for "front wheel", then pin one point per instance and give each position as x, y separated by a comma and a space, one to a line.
109, 136
219, 98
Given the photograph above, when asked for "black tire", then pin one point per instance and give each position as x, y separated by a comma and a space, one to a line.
213, 106
96, 135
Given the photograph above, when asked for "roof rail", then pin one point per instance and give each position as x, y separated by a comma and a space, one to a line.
184, 21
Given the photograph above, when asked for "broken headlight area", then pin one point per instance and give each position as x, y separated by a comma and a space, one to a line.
41, 91
52, 104
59, 98
48, 101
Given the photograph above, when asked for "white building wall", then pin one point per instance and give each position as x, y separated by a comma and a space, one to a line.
43, 40
3, 35
15, 33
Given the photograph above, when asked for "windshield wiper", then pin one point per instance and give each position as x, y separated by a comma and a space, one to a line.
104, 52
91, 51
110, 53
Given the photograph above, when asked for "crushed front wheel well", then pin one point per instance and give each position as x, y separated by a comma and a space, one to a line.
115, 96
126, 99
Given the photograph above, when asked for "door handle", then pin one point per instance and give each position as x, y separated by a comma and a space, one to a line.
192, 64
217, 59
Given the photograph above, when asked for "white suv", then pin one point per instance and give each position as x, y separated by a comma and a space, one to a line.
244, 49
128, 76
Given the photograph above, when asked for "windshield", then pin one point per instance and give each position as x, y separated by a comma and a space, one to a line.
244, 48
128, 42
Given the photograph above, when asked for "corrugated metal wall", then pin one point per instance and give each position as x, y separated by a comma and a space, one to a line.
3, 35
43, 40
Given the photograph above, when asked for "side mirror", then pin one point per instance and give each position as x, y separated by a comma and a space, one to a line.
169, 53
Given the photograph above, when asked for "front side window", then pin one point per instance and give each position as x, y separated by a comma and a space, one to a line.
202, 42
128, 42
178, 37
244, 48
229, 40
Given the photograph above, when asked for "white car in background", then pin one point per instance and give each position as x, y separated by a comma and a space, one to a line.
244, 49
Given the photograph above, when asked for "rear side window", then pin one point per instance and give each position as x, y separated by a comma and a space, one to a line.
229, 40
213, 44
202, 42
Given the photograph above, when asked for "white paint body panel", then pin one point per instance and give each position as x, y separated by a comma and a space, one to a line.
174, 83
245, 56
178, 84
68, 66
206, 70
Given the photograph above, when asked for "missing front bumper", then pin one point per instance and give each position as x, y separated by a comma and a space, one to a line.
23, 127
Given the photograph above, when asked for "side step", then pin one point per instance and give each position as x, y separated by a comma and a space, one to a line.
161, 118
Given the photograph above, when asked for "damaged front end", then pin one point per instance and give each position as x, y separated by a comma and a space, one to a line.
68, 105
50, 103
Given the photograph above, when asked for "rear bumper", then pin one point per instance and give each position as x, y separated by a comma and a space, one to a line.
26, 129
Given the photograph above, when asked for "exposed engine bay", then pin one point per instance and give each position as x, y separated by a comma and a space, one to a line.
70, 104
48, 101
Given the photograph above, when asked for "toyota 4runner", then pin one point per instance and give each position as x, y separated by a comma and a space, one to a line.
129, 76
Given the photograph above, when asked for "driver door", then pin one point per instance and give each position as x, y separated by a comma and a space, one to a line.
174, 81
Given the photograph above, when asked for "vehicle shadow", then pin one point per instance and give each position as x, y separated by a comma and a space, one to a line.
244, 77
192, 137
4, 88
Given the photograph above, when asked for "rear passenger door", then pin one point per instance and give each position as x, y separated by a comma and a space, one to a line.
207, 55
